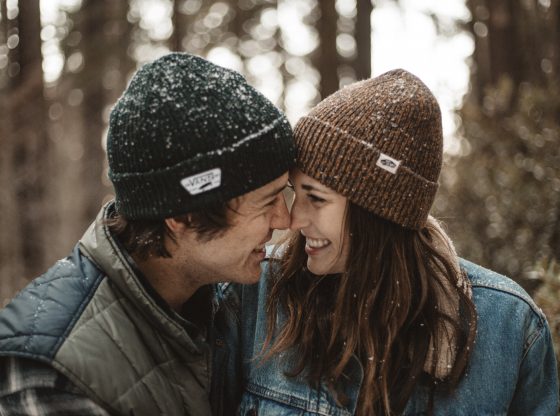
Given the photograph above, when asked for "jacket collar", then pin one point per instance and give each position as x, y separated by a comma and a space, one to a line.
448, 301
105, 251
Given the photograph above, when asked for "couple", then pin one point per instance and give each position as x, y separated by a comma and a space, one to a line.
366, 309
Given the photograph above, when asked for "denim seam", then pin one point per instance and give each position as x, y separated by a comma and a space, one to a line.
518, 295
324, 410
533, 336
532, 340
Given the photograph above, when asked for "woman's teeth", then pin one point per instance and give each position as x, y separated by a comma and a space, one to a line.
316, 242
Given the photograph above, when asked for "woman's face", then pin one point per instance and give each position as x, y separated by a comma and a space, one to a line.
318, 213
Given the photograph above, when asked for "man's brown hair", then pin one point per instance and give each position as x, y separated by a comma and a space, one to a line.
145, 238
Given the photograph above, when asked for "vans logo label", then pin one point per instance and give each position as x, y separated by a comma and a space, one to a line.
388, 163
202, 182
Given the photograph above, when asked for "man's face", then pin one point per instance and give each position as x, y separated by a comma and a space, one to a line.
235, 255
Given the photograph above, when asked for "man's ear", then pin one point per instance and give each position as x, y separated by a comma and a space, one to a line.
178, 225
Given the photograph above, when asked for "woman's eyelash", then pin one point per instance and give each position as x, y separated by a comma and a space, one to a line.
314, 198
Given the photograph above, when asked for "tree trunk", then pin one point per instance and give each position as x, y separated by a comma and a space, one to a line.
501, 31
11, 261
362, 65
180, 22
91, 79
79, 160
326, 58
119, 63
30, 147
554, 242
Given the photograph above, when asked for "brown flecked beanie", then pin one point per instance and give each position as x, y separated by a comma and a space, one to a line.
379, 143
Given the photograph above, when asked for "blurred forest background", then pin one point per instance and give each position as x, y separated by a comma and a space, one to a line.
61, 71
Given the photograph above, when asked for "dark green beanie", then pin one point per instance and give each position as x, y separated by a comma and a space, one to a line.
187, 134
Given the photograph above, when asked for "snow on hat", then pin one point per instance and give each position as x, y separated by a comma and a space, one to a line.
187, 134
379, 143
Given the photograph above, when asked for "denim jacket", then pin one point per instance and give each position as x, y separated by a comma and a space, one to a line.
512, 370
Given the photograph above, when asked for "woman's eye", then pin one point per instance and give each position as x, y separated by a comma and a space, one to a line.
314, 198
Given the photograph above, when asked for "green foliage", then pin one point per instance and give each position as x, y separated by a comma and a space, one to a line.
502, 202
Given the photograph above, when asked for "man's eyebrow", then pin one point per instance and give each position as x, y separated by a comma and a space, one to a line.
273, 193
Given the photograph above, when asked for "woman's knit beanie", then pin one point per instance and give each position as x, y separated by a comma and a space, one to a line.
188, 134
379, 143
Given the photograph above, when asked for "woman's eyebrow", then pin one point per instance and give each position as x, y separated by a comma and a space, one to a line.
310, 188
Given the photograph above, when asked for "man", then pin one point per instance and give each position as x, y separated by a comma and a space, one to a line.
198, 160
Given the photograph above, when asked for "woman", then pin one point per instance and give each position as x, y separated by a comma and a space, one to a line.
369, 311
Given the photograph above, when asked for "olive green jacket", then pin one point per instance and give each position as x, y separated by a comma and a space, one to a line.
94, 319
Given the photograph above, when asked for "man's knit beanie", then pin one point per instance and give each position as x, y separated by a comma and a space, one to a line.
379, 143
188, 134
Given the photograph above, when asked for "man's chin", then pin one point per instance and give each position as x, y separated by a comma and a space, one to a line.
252, 281
249, 277
254, 274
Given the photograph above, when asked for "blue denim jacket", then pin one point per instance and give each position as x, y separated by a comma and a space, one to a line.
512, 369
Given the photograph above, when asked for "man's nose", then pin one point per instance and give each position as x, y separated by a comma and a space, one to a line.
281, 216
298, 219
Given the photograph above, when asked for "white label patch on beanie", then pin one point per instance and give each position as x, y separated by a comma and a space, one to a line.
388, 163
202, 182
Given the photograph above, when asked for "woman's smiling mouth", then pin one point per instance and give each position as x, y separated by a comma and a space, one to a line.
314, 245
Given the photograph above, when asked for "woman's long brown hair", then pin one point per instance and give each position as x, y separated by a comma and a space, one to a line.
400, 308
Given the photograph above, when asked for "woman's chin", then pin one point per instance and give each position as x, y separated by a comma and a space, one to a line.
318, 269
